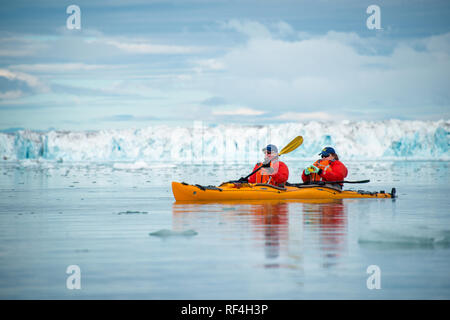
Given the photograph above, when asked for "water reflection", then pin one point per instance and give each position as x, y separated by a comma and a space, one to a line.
329, 221
287, 233
272, 219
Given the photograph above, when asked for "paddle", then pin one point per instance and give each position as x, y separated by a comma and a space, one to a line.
324, 182
291, 146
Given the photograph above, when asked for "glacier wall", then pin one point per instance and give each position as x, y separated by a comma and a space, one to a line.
369, 140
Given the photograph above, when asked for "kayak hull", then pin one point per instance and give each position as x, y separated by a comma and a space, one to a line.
230, 191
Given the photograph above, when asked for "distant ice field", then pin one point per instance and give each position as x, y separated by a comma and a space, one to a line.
199, 143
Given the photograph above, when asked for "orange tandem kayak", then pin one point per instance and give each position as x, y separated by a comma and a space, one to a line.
248, 191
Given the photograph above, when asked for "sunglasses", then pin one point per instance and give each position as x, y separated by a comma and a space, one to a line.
325, 156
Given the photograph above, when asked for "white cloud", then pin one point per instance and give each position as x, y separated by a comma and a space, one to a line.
13, 94
209, 65
238, 112
335, 73
284, 29
60, 67
18, 46
252, 29
149, 48
31, 81
306, 116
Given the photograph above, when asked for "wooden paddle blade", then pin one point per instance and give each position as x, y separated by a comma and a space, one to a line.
294, 144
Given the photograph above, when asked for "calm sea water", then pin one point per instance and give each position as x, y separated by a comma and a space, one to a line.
100, 218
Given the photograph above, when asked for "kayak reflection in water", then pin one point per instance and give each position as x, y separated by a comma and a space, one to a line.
276, 227
329, 168
329, 220
274, 220
274, 171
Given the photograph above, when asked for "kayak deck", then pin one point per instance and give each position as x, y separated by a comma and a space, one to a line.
232, 191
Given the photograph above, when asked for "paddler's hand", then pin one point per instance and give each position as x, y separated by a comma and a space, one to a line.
312, 169
266, 164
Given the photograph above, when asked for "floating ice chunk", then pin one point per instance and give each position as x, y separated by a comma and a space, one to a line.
132, 212
164, 233
131, 166
138, 165
162, 166
405, 238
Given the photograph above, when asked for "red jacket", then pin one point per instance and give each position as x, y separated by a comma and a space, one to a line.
336, 172
280, 177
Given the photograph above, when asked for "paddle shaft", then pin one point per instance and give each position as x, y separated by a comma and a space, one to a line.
254, 172
291, 146
326, 182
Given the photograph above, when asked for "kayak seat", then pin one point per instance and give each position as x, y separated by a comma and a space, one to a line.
207, 187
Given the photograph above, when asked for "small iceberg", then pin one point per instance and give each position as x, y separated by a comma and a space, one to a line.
410, 238
138, 165
132, 212
164, 233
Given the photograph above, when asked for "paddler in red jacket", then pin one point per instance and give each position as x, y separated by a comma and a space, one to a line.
329, 168
274, 171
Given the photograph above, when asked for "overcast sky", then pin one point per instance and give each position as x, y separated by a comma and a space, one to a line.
138, 63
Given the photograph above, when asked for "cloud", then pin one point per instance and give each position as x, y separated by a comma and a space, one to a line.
19, 46
125, 118
13, 94
210, 64
18, 82
27, 78
254, 29
84, 49
255, 69
214, 101
284, 29
336, 73
251, 29
307, 116
150, 48
238, 112
61, 67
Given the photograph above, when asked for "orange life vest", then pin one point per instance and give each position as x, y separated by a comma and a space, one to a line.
321, 164
266, 178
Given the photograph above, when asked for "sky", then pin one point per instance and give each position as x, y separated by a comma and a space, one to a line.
138, 63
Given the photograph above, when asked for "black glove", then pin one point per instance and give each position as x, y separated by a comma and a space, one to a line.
320, 172
266, 165
243, 180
